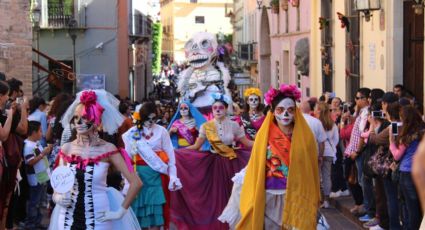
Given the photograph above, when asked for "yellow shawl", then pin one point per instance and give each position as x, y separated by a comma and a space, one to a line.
303, 188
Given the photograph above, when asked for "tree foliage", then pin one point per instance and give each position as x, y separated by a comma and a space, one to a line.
156, 47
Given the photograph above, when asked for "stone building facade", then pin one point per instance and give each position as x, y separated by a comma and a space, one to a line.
16, 42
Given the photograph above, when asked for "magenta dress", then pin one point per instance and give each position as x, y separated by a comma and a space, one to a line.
207, 184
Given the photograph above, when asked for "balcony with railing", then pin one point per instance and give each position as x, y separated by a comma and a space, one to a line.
56, 14
59, 15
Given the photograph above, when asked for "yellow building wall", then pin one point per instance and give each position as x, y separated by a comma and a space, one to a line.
339, 51
373, 52
315, 55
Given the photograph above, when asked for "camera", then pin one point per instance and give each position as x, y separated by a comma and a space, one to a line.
378, 114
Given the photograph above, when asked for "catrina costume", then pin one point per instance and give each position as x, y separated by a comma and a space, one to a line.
206, 176
187, 130
251, 122
90, 194
153, 154
280, 187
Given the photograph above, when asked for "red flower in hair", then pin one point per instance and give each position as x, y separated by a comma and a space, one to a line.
88, 98
291, 91
272, 93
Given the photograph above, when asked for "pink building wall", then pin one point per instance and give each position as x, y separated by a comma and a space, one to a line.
283, 39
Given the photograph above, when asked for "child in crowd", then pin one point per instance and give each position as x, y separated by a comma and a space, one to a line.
38, 173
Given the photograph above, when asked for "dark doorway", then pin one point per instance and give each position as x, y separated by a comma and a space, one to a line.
59, 83
413, 51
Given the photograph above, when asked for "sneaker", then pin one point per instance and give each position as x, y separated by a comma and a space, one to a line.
344, 193
325, 204
365, 218
373, 222
377, 227
335, 194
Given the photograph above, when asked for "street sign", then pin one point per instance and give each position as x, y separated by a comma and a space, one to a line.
90, 81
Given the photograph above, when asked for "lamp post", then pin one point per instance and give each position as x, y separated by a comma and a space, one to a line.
72, 32
366, 6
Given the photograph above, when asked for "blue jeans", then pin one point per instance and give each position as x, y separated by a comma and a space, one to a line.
369, 196
408, 190
34, 216
392, 203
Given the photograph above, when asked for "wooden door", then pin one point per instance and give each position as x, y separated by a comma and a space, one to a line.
413, 52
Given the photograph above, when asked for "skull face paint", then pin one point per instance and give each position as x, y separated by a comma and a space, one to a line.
150, 121
253, 101
81, 125
184, 110
201, 49
219, 110
284, 111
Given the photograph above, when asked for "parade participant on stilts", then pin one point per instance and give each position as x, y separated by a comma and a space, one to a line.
207, 175
150, 146
281, 188
253, 117
184, 126
90, 204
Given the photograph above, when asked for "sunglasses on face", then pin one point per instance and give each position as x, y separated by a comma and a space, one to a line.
280, 110
218, 107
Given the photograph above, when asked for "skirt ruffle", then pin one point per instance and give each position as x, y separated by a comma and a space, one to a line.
148, 205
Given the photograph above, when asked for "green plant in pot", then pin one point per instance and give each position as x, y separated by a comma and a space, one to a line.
274, 4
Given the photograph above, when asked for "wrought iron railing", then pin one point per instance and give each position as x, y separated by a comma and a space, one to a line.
60, 14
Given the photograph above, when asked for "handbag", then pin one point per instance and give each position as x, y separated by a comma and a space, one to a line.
381, 162
352, 176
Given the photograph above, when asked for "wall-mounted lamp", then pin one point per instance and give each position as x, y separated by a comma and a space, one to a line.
366, 6
260, 5
419, 6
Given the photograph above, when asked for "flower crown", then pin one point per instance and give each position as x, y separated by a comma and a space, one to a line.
291, 91
252, 91
92, 110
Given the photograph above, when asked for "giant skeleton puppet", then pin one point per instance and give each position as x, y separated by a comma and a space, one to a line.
205, 75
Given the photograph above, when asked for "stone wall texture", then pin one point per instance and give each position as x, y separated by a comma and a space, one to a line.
16, 42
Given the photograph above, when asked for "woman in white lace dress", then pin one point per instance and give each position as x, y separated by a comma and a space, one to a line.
90, 204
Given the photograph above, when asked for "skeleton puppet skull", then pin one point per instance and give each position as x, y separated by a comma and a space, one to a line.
201, 49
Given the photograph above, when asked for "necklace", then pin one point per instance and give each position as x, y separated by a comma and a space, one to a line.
147, 136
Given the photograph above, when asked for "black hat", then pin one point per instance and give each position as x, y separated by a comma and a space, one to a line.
389, 97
